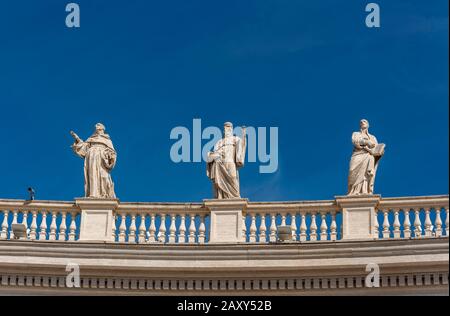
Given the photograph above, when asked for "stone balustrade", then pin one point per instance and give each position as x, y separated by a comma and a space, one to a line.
228, 221
44, 220
160, 223
415, 217
309, 221
228, 246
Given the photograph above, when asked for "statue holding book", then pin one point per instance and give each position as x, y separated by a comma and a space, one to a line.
364, 162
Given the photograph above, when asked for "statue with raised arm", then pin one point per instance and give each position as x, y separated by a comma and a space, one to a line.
223, 163
364, 162
99, 159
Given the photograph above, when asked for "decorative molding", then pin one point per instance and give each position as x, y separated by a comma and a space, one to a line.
297, 285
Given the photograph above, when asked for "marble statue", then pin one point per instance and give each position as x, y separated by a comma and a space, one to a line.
223, 163
99, 159
364, 162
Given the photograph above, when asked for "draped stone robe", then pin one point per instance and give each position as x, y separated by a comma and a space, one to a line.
99, 159
363, 166
223, 164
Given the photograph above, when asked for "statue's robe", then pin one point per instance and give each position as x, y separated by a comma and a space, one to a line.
223, 164
363, 166
99, 159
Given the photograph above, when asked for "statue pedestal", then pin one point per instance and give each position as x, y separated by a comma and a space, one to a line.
226, 220
96, 219
358, 216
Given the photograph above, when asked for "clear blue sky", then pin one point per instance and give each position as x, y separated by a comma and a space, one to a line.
311, 68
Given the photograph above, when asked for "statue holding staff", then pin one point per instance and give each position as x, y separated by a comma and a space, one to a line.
99, 160
223, 163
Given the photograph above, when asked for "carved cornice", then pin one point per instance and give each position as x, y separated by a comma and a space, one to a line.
412, 283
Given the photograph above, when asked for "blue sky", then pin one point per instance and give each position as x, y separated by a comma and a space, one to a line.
311, 68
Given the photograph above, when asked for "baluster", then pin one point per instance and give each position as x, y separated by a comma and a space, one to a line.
417, 224
152, 229
406, 224
25, 222
313, 227
162, 229
52, 235
33, 225
172, 229
72, 227
62, 227
446, 221
386, 225
114, 227
253, 228
201, 230
303, 228
14, 221
142, 229
15, 215
244, 228
262, 229
4, 232
182, 230
323, 227
132, 229
273, 228
192, 229
376, 225
294, 226
43, 227
428, 224
283, 219
396, 223
438, 222
333, 227
123, 227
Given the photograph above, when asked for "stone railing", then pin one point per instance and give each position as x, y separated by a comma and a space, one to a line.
228, 221
43, 220
308, 221
412, 217
160, 222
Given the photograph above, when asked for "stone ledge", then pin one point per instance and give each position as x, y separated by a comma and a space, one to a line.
344, 201
226, 203
332, 257
400, 284
407, 267
97, 204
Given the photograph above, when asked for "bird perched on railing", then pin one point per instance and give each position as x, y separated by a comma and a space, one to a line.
32, 193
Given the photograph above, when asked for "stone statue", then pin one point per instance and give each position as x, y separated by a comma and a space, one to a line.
99, 159
364, 162
223, 163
